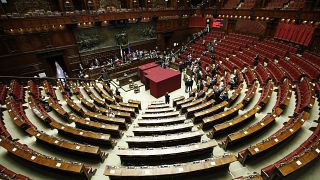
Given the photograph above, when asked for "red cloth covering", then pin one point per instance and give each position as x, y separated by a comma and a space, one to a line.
161, 80
145, 67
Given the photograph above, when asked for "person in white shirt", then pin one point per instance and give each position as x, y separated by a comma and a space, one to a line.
244, 70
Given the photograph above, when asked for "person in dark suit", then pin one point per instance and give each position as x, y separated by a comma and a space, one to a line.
190, 84
256, 60
180, 66
167, 98
214, 81
224, 96
199, 85
117, 92
216, 93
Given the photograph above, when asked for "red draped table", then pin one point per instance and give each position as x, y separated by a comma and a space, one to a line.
145, 67
161, 80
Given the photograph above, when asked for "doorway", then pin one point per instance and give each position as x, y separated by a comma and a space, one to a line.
52, 66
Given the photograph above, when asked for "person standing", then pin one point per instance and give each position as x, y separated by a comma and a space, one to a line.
167, 98
117, 92
180, 66
190, 84
186, 84
256, 60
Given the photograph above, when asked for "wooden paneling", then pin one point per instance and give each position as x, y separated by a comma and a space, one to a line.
31, 50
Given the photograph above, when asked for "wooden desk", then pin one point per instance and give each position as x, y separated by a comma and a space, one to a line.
288, 130
210, 96
48, 89
191, 111
266, 94
250, 177
131, 101
202, 93
215, 119
169, 171
251, 92
158, 106
153, 130
75, 108
90, 106
157, 102
161, 121
105, 119
58, 109
198, 116
159, 110
77, 148
107, 88
299, 162
175, 100
25, 153
107, 98
249, 131
231, 124
164, 140
124, 80
184, 107
129, 105
160, 115
86, 88
83, 135
193, 92
96, 126
61, 88
118, 98
184, 101
154, 155
123, 109
14, 117
75, 88
118, 114
235, 94
97, 101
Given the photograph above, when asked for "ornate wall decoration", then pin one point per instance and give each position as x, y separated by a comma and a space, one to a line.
108, 36
159, 3
87, 40
109, 3
24, 6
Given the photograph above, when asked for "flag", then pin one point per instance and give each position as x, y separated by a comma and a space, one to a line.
129, 48
121, 52
60, 73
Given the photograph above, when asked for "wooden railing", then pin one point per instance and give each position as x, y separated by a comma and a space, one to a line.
64, 19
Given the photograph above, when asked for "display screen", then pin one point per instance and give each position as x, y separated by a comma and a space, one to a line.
217, 23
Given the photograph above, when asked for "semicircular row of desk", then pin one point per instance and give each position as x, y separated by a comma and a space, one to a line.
194, 105
17, 114
282, 101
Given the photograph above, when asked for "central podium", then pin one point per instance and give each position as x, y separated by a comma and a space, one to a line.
160, 80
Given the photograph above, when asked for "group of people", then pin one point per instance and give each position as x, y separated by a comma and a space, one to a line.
188, 82
165, 58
